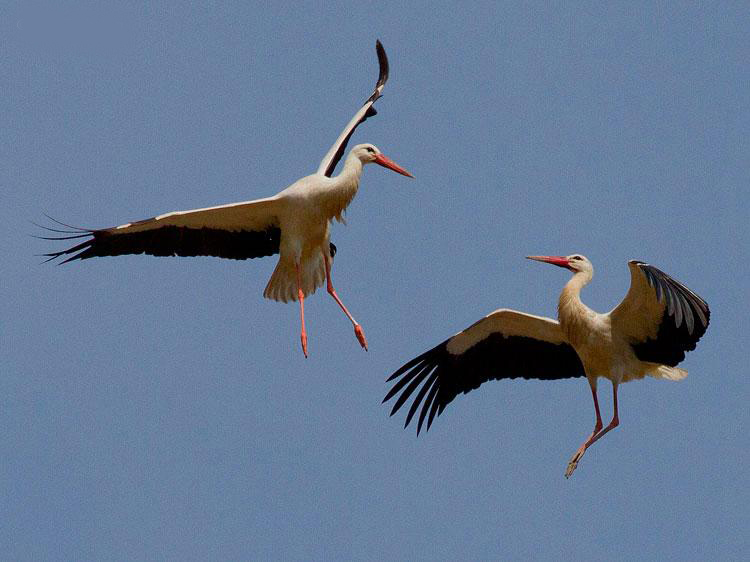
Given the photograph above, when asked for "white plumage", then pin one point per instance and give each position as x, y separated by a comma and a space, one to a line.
647, 334
295, 223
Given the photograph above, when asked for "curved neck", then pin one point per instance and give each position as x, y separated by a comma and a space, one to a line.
343, 188
570, 310
351, 172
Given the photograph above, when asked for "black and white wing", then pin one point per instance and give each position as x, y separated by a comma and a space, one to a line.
660, 316
328, 164
505, 344
236, 231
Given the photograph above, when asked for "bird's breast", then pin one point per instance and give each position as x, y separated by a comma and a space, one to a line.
323, 203
304, 231
591, 337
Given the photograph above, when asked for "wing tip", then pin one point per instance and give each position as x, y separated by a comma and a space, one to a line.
331, 159
422, 371
689, 317
383, 70
656, 278
75, 233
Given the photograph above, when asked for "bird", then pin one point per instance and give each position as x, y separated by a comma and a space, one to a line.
294, 223
647, 334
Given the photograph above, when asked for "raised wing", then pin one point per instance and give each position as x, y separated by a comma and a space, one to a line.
328, 164
660, 316
505, 344
236, 231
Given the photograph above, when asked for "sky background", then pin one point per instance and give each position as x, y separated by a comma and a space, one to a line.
161, 408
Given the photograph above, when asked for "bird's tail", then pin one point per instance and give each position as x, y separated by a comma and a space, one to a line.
283, 283
666, 372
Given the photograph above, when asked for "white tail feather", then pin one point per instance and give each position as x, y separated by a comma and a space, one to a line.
283, 283
665, 372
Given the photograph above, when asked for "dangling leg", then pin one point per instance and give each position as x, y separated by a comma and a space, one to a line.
331, 291
591, 438
301, 296
615, 419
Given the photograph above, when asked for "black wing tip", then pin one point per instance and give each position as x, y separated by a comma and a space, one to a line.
421, 373
73, 237
75, 232
383, 71
382, 63
653, 274
54, 255
74, 228
689, 316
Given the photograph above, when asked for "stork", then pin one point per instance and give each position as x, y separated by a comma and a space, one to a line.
648, 333
294, 223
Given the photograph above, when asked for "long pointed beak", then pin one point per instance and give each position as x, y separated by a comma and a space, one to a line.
559, 261
390, 164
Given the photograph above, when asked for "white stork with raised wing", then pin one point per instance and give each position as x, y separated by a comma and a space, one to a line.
294, 223
648, 333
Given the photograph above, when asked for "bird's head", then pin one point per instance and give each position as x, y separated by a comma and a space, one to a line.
574, 262
370, 153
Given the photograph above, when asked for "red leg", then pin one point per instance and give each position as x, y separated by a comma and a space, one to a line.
591, 438
301, 296
331, 291
615, 419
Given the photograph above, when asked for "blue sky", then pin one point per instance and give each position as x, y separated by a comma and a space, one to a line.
161, 408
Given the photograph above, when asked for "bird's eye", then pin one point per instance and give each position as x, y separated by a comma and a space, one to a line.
577, 258
370, 150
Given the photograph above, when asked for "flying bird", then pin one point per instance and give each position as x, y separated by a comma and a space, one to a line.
294, 223
648, 333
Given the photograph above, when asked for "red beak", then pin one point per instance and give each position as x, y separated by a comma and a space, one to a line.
390, 164
554, 260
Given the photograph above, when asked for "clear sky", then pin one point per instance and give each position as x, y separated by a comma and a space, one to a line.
161, 408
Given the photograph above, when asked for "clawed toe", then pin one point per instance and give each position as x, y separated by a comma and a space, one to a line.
360, 336
573, 463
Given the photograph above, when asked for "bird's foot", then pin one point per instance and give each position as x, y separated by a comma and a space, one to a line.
360, 336
573, 463
303, 339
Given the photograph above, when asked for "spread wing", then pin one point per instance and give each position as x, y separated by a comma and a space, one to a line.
505, 344
660, 316
236, 231
328, 164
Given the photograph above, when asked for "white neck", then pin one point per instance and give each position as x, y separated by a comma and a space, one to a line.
344, 187
352, 169
571, 311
